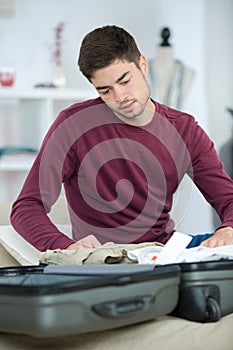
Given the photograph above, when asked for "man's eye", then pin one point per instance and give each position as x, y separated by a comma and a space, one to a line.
125, 82
105, 92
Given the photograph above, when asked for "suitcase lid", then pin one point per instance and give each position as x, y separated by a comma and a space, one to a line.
40, 280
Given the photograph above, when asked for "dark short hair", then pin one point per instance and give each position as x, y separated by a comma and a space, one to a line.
104, 45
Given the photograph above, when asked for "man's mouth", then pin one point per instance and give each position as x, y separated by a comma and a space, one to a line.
127, 106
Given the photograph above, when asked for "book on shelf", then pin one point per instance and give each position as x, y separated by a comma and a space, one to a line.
16, 157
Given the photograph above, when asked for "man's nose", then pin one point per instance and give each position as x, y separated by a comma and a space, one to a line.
120, 94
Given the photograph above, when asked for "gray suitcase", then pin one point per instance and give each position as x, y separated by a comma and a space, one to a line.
206, 291
47, 301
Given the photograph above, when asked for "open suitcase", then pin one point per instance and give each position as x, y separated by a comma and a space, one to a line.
56, 300
206, 291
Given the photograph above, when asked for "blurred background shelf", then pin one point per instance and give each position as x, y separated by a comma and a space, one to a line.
25, 117
47, 93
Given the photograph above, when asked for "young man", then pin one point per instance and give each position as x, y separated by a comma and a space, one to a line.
120, 158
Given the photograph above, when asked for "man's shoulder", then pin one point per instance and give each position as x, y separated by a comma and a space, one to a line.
183, 122
74, 111
174, 115
82, 105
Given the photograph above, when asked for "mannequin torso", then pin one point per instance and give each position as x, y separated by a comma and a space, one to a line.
169, 78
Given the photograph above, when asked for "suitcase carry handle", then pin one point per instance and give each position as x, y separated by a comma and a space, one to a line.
124, 307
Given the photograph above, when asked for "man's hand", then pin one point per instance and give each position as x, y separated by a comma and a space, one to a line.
223, 236
86, 242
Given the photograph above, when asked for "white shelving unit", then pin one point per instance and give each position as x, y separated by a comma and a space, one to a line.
25, 116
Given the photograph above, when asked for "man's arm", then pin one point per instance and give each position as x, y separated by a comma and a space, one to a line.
40, 191
214, 183
29, 215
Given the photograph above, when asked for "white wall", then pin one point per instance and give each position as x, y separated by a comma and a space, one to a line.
28, 36
26, 39
219, 67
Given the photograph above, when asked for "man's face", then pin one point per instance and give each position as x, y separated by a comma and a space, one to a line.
124, 88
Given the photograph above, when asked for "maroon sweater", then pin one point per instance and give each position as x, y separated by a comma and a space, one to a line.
119, 179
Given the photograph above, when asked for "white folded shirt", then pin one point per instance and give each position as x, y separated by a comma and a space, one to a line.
174, 251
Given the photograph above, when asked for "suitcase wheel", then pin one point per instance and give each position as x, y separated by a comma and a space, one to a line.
213, 312
200, 303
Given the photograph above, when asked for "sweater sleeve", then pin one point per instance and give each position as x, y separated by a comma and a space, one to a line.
39, 192
210, 176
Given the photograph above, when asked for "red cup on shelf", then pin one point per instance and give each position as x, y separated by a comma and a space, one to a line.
7, 75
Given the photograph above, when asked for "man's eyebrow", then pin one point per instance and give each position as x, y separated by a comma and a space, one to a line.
122, 77
117, 81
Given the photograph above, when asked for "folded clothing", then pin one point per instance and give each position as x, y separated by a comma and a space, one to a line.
108, 253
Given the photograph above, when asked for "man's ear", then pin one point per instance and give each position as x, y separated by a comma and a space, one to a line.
143, 64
